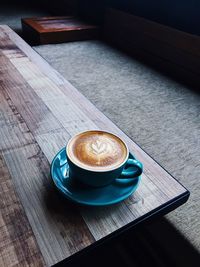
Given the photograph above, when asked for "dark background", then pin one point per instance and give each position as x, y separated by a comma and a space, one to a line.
180, 14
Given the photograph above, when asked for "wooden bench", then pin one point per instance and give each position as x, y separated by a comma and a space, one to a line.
46, 30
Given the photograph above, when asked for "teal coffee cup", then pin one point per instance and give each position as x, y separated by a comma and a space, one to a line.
98, 158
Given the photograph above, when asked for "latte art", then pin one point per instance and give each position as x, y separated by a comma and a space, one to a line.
100, 147
97, 150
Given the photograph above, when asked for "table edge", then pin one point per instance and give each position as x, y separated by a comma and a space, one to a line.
153, 214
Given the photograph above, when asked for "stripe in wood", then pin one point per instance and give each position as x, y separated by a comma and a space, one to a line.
18, 246
29, 105
13, 130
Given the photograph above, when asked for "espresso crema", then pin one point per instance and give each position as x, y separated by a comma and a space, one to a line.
97, 150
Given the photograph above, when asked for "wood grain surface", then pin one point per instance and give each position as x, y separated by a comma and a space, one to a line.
18, 245
39, 112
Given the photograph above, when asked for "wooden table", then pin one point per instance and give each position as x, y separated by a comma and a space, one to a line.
39, 111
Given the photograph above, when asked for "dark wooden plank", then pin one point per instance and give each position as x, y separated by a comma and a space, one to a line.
18, 246
13, 130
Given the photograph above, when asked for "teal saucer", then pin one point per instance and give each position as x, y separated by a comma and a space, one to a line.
87, 195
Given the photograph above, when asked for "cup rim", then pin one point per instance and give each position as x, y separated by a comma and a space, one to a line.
97, 170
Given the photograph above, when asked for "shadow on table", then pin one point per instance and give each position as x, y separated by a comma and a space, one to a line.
157, 244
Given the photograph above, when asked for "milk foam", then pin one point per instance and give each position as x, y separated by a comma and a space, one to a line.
97, 150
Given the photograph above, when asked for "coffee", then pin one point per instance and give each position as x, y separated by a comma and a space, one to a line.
97, 151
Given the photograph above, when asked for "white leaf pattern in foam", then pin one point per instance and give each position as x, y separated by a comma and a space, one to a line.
99, 147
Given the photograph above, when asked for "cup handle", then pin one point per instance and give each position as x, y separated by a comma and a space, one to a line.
132, 169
